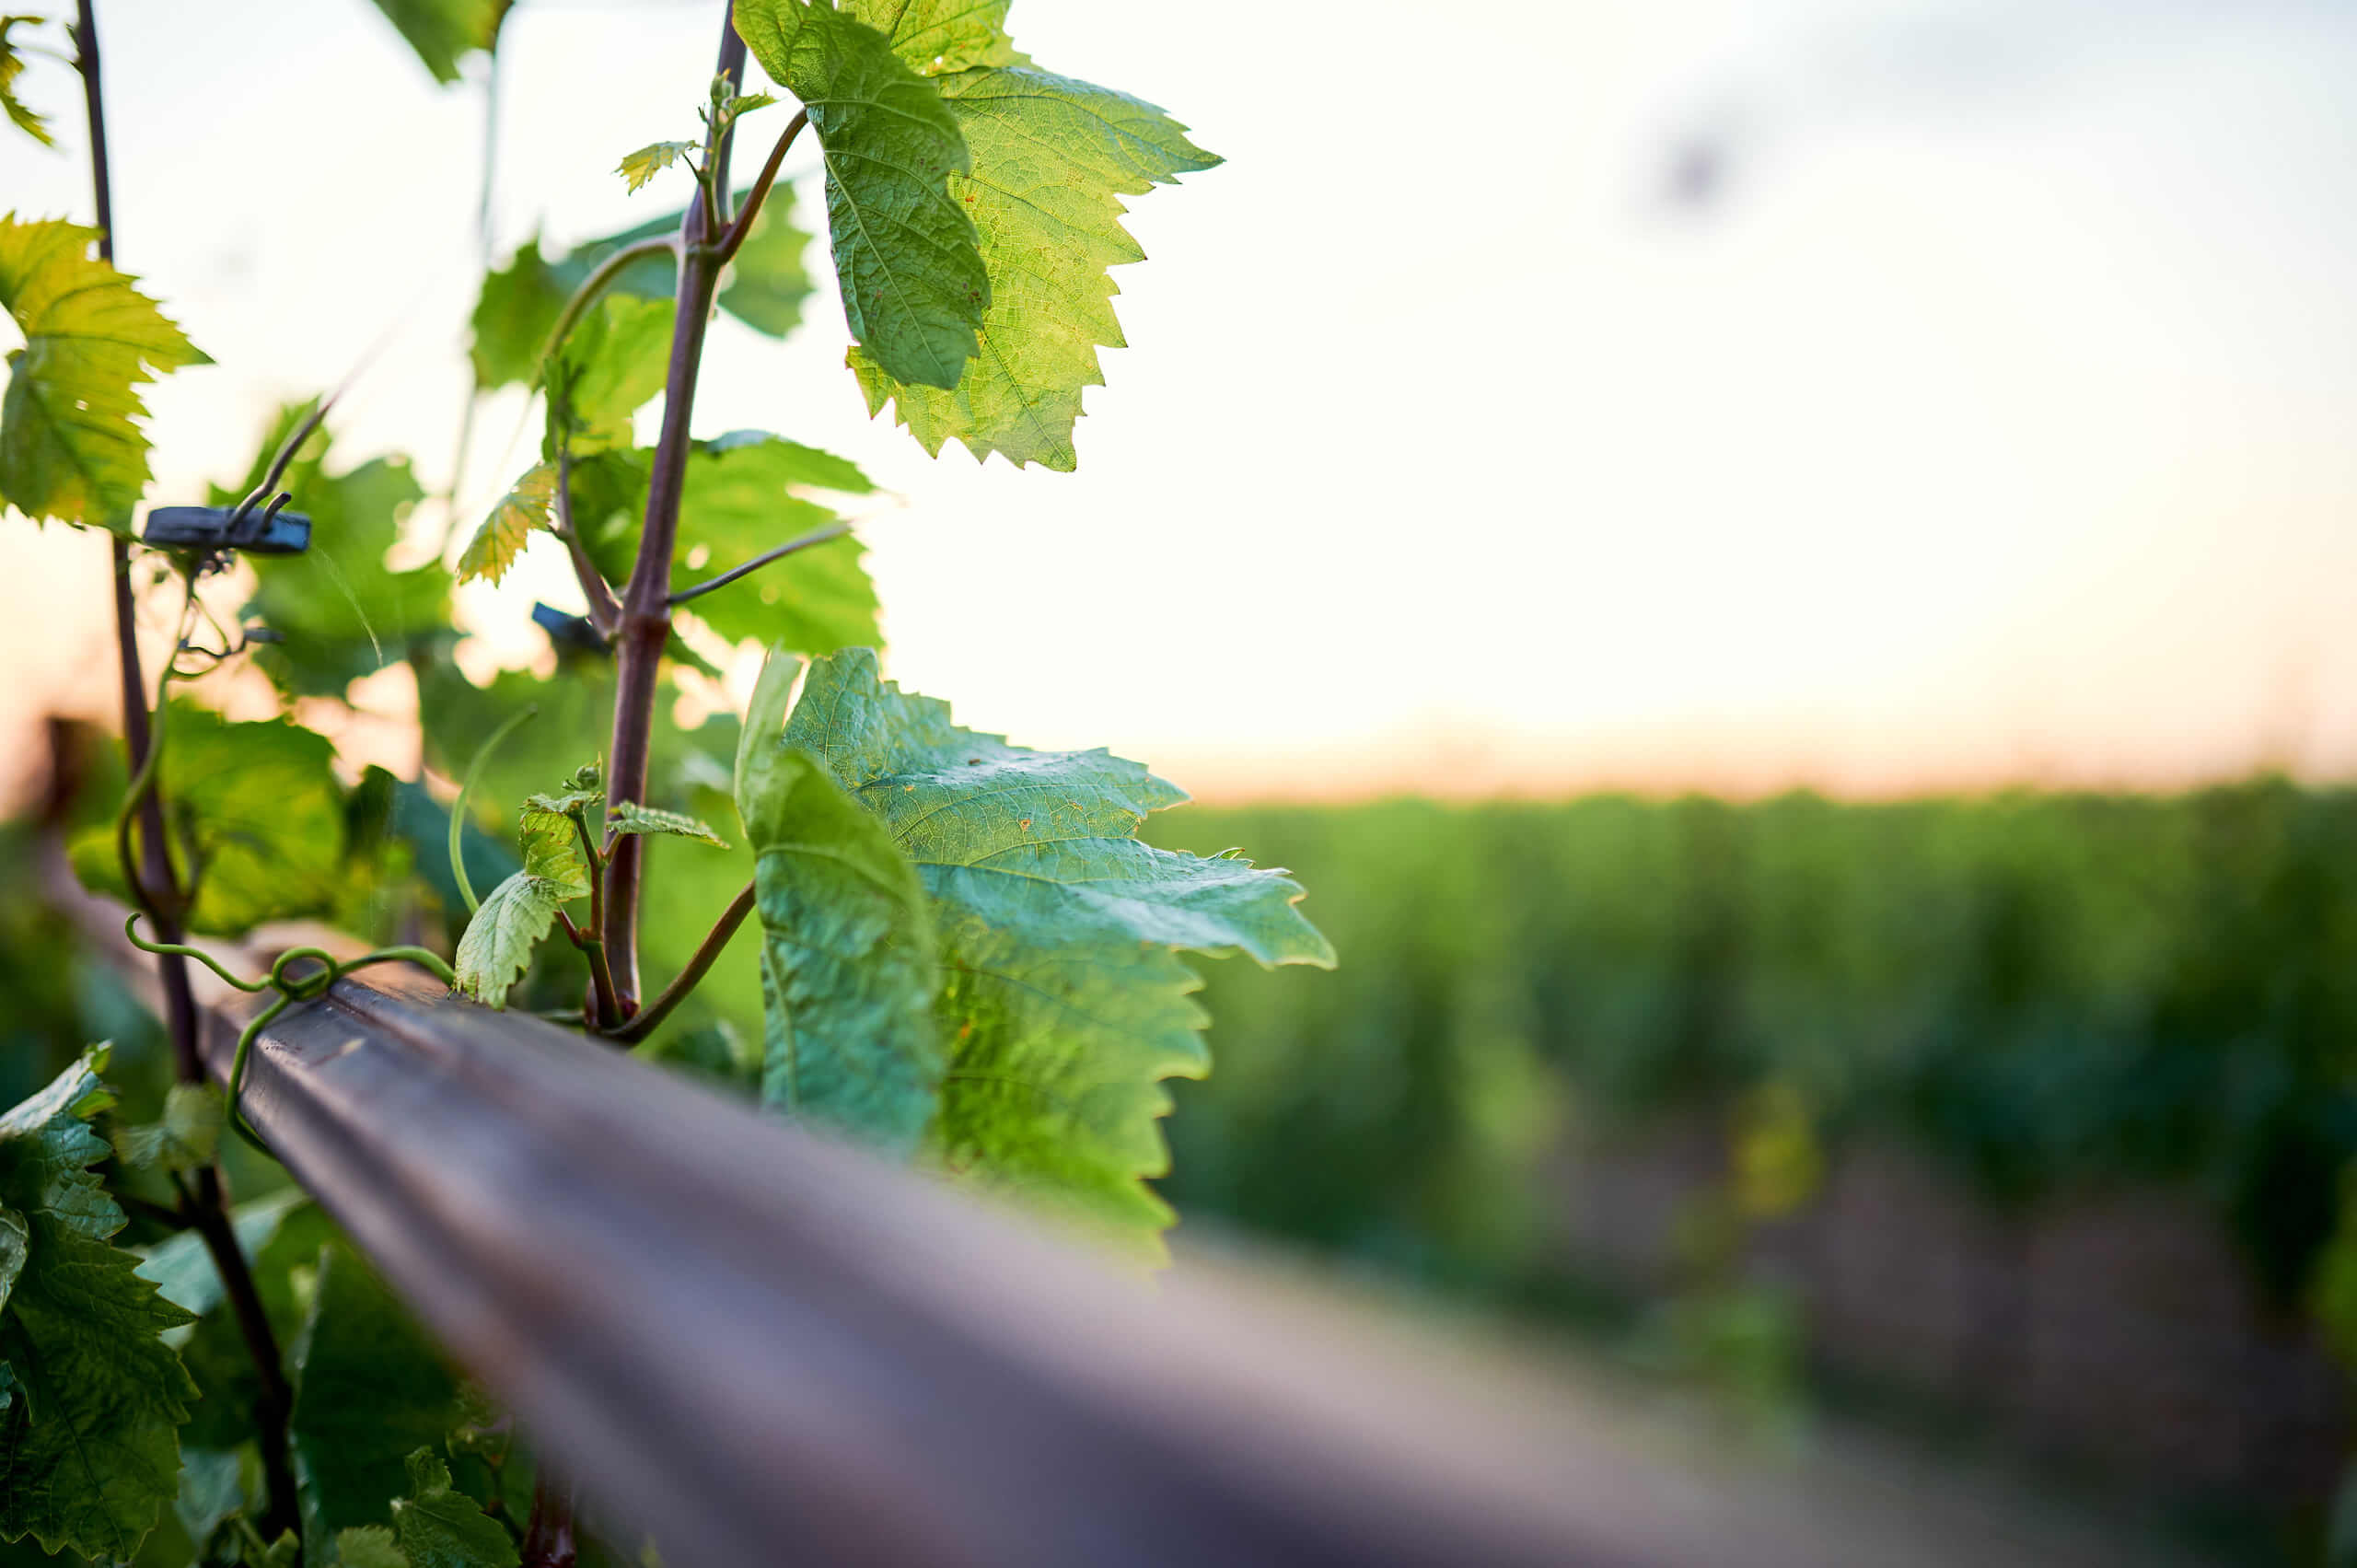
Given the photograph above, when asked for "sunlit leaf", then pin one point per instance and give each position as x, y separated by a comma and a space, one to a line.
913, 283
1051, 159
70, 443
503, 534
650, 161
935, 37
12, 66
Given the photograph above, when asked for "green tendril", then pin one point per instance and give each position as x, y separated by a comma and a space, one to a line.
291, 989
458, 807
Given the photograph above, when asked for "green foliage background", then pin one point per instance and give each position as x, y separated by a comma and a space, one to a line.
2038, 990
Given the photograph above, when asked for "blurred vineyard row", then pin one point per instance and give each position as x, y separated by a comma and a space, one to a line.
2040, 992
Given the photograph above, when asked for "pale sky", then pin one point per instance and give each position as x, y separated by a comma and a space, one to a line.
1989, 422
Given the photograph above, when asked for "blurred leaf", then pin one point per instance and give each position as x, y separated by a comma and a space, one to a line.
12, 66
341, 612
613, 362
1051, 159
368, 1546
444, 30
256, 820
763, 286
913, 282
90, 1397
369, 1391
745, 493
183, 1140
69, 448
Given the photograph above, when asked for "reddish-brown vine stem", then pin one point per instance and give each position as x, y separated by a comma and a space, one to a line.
645, 626
157, 891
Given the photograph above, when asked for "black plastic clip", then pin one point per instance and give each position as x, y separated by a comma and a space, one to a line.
571, 633
213, 529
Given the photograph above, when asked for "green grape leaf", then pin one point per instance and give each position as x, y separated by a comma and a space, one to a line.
650, 161
913, 282
745, 493
256, 819
1051, 159
12, 66
442, 1528
513, 314
368, 1546
847, 957
443, 30
742, 104
632, 818
612, 361
183, 1140
1062, 1003
553, 852
341, 612
368, 1390
89, 1446
937, 37
509, 528
499, 941
70, 447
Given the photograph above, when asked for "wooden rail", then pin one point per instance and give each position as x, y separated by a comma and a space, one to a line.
760, 1346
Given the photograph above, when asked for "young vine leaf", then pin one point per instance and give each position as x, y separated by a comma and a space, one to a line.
368, 1546
906, 254
70, 446
848, 970
91, 1398
442, 31
650, 161
499, 941
527, 505
632, 818
12, 66
369, 1389
1062, 1002
443, 1528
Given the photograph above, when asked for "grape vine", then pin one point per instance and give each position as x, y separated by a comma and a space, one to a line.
959, 952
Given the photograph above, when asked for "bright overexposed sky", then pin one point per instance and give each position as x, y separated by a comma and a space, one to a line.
1988, 417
